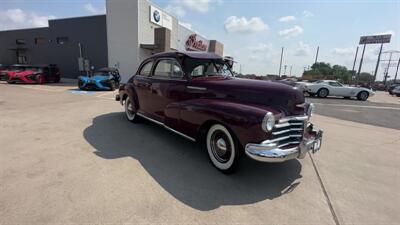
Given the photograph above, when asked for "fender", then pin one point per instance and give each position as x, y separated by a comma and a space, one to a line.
243, 120
128, 89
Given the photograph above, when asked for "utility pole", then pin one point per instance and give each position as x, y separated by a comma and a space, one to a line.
280, 64
397, 70
316, 55
387, 73
353, 72
284, 73
291, 70
377, 62
361, 62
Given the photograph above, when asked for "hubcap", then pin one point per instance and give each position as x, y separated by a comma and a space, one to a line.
220, 146
129, 109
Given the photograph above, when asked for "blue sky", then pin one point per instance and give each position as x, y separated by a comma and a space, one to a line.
254, 31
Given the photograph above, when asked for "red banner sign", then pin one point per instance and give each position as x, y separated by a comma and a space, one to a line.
192, 44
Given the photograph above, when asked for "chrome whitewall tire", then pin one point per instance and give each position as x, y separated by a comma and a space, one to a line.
222, 148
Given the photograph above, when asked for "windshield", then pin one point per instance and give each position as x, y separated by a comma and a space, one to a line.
207, 67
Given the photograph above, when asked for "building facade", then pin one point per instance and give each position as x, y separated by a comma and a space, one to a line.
131, 31
138, 29
61, 43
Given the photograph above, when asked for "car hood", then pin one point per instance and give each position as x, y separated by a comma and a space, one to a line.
94, 78
24, 73
281, 97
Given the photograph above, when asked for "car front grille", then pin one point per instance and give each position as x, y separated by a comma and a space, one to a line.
288, 131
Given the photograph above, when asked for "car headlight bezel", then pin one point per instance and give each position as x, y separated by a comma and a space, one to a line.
310, 110
268, 122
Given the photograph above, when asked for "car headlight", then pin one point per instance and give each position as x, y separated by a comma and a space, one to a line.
268, 122
310, 110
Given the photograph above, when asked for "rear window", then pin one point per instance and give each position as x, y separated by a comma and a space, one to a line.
146, 69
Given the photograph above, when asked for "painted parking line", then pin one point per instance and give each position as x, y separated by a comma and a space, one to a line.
360, 106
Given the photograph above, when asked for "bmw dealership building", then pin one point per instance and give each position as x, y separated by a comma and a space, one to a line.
129, 32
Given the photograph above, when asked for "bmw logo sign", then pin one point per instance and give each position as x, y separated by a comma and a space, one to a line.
156, 16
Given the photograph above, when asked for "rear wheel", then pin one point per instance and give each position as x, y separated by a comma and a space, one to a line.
323, 93
363, 96
130, 110
40, 79
222, 148
80, 85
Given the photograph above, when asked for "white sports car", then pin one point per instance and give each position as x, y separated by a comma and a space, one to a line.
324, 88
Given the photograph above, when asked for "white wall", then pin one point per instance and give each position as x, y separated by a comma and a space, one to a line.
122, 36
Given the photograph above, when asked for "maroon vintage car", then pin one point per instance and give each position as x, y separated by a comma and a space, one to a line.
196, 96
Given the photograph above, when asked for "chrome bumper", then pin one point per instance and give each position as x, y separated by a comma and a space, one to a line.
269, 152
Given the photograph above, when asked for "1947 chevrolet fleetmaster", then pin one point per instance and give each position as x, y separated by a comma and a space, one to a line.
196, 96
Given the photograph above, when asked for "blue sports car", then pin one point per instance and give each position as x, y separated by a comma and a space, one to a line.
106, 79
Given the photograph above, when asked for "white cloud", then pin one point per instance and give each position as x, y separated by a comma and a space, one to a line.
261, 47
291, 32
179, 7
176, 10
287, 18
93, 10
302, 49
14, 15
307, 13
18, 18
187, 25
343, 51
243, 25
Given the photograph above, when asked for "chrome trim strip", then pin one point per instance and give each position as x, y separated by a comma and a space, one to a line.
294, 118
285, 131
281, 138
165, 126
177, 132
280, 125
150, 119
197, 88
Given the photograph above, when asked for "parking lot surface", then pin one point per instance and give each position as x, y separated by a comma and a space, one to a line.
380, 109
68, 156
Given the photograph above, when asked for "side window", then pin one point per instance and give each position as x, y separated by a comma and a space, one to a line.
167, 68
334, 84
146, 69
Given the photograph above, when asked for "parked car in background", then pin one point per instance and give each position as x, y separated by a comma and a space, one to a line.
5, 70
396, 91
102, 79
325, 88
36, 74
391, 87
196, 96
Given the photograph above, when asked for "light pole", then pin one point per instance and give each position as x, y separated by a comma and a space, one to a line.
291, 70
316, 55
353, 72
280, 64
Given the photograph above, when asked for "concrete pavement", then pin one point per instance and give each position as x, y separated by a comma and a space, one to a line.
73, 158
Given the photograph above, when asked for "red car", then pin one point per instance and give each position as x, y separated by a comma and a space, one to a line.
5, 70
35, 75
196, 96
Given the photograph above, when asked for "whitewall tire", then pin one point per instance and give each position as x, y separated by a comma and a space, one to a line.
222, 148
130, 111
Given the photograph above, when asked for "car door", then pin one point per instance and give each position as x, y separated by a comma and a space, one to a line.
142, 83
168, 87
337, 89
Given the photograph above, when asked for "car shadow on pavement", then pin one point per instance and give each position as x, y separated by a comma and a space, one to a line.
182, 167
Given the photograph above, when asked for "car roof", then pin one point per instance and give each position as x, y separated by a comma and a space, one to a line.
194, 55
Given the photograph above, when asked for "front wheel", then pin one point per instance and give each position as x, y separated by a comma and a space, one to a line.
80, 85
363, 96
323, 93
130, 110
222, 148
